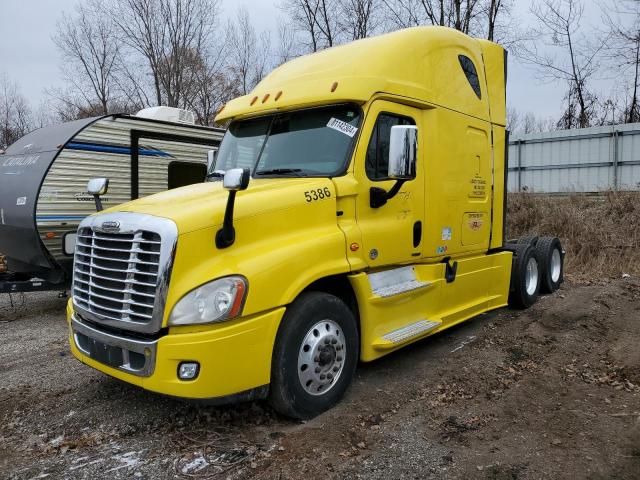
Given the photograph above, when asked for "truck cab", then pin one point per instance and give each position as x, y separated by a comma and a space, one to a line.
356, 205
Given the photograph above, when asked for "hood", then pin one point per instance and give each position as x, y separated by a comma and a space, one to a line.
203, 205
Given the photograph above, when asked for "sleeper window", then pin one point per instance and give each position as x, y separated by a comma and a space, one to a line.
471, 73
377, 161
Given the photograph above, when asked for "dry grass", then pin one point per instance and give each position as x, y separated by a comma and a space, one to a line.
601, 235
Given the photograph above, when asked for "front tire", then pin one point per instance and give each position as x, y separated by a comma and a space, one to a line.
315, 356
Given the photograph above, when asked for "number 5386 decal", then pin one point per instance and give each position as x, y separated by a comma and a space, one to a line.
317, 194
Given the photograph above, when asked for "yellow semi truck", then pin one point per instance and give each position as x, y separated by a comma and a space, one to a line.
356, 205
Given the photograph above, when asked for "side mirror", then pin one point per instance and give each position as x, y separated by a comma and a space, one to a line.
403, 147
211, 159
97, 187
234, 180
403, 153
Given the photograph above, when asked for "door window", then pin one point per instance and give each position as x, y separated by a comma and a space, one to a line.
377, 160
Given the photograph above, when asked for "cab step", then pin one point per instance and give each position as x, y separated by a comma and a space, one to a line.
389, 283
406, 333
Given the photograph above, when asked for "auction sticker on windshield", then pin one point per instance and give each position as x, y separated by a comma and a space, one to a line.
343, 127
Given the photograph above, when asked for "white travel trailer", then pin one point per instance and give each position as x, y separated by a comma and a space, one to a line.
44, 175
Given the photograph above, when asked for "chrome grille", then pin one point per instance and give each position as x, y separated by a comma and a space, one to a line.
116, 274
120, 278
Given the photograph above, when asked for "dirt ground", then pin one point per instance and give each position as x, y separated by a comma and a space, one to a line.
550, 392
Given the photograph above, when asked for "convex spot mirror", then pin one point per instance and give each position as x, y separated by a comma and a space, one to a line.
236, 179
403, 149
98, 186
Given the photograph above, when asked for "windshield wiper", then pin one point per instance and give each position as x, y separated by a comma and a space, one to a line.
282, 171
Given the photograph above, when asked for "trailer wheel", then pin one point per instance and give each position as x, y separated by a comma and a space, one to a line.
551, 259
525, 276
315, 356
528, 239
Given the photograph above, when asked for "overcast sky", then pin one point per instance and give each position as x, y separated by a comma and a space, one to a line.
29, 57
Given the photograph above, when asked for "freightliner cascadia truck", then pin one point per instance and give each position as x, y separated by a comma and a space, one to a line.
356, 205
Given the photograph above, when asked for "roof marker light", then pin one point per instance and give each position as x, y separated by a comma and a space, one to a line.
278, 95
254, 100
334, 86
265, 98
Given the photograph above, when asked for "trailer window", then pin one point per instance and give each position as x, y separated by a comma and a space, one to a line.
377, 161
471, 73
185, 173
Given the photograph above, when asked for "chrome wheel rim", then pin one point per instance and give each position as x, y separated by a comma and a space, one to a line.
532, 276
321, 357
556, 265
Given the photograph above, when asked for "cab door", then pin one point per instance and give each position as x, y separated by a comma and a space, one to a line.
391, 233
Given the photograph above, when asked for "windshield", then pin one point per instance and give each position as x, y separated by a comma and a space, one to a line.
313, 142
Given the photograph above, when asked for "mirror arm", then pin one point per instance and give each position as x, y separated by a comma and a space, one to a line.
98, 201
227, 234
379, 196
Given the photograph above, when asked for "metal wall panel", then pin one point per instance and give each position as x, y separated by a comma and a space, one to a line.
581, 160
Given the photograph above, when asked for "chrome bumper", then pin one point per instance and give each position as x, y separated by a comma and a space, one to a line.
130, 355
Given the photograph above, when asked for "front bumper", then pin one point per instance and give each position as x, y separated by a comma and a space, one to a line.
234, 357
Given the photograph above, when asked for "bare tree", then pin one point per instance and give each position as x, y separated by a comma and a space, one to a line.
566, 55
528, 123
481, 18
303, 15
249, 53
91, 52
211, 89
513, 120
166, 33
287, 46
318, 20
360, 18
623, 50
327, 21
15, 114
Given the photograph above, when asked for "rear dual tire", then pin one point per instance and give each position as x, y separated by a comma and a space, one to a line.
551, 260
525, 276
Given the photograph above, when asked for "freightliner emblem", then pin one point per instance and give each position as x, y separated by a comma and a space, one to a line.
111, 225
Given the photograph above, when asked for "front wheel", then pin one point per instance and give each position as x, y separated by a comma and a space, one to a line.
315, 356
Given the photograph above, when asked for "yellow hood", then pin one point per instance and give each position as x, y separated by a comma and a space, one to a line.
202, 205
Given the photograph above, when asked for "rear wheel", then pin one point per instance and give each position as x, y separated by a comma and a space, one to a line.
525, 276
315, 356
528, 239
550, 256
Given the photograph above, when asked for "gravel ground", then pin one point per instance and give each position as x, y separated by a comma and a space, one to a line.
550, 392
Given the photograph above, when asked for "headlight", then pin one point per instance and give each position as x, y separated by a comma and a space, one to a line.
215, 301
